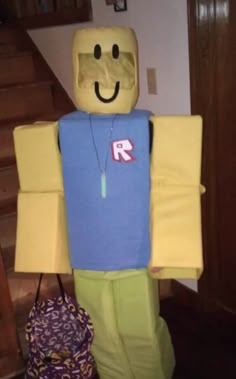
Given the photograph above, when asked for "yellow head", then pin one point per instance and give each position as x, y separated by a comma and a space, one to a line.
105, 69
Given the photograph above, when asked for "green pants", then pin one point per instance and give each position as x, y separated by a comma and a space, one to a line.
131, 339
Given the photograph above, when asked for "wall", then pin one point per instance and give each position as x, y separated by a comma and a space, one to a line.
162, 32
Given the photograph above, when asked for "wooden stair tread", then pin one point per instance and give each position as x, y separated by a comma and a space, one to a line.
23, 99
7, 48
5, 54
8, 231
8, 340
8, 240
35, 83
12, 53
9, 186
23, 286
7, 153
10, 123
11, 34
16, 68
47, 278
8, 257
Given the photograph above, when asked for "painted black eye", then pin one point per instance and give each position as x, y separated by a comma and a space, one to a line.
115, 51
97, 51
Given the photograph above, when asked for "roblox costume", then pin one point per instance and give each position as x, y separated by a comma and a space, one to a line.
127, 214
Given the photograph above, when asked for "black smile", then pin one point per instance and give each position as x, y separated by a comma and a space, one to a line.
112, 98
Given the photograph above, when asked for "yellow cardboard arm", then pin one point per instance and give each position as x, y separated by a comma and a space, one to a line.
41, 241
176, 242
38, 157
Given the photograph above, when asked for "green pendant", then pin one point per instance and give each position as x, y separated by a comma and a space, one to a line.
103, 185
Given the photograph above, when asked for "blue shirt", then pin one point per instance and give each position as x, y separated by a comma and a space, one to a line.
110, 233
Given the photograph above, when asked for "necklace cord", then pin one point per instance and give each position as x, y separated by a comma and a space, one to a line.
103, 179
102, 169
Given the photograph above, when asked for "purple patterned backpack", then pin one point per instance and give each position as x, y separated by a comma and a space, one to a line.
59, 335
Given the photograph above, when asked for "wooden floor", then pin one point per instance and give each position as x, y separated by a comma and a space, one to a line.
205, 345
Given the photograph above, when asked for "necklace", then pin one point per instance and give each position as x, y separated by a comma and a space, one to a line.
103, 169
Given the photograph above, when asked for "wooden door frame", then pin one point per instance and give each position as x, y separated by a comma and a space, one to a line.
200, 62
203, 70
11, 361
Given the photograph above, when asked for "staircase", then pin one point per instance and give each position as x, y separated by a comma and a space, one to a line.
29, 91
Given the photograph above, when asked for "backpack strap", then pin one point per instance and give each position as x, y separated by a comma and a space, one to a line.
62, 291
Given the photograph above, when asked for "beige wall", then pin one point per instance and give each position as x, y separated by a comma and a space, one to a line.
161, 28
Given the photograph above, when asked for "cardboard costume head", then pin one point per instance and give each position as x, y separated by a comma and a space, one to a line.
105, 70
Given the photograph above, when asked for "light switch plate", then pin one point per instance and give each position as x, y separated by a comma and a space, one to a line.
151, 81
